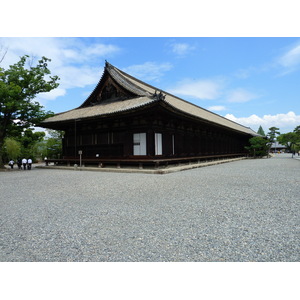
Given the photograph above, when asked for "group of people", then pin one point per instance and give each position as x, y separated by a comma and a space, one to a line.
25, 163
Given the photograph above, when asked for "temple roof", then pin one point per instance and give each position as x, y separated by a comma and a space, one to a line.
118, 91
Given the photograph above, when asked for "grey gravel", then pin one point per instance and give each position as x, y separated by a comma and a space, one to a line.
240, 211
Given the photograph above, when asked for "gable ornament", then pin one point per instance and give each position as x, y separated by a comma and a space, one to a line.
158, 96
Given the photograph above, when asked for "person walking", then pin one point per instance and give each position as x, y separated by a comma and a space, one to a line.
24, 162
19, 163
29, 163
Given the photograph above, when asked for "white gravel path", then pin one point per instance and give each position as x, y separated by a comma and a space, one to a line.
246, 210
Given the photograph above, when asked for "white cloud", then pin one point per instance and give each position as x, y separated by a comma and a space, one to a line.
100, 50
181, 48
285, 122
217, 108
290, 58
200, 89
289, 61
53, 94
240, 96
71, 59
73, 76
148, 70
60, 50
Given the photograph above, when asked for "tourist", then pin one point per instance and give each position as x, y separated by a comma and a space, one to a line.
19, 163
24, 162
11, 163
29, 163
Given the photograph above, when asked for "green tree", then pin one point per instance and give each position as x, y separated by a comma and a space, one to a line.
18, 87
28, 140
258, 146
297, 132
289, 139
261, 131
273, 132
51, 146
12, 148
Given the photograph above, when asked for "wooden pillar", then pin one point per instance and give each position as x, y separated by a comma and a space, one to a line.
150, 143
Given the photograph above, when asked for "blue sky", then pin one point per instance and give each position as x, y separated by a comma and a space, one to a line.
253, 81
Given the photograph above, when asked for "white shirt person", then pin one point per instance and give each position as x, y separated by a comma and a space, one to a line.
24, 162
29, 162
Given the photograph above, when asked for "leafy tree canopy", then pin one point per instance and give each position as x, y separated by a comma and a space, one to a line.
297, 131
18, 87
12, 148
290, 139
258, 146
51, 146
273, 132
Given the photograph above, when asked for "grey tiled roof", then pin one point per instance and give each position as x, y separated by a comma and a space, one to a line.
144, 94
99, 110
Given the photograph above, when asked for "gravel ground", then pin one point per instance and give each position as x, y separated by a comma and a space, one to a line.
246, 210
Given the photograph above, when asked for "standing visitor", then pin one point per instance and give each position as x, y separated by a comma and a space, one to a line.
24, 162
29, 162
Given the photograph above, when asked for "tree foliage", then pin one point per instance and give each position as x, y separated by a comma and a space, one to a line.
291, 139
271, 136
51, 146
258, 146
261, 131
28, 140
288, 139
273, 132
18, 88
12, 148
297, 132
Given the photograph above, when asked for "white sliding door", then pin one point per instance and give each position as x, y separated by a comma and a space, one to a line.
139, 144
158, 144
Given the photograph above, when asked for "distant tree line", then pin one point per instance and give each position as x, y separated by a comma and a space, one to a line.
260, 146
34, 145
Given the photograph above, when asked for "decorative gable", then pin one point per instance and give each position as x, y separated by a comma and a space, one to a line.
107, 91
110, 91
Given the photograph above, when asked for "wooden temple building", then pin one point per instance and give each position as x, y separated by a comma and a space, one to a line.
127, 121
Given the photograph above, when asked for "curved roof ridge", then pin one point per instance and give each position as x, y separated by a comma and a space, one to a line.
91, 94
185, 102
124, 82
145, 93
